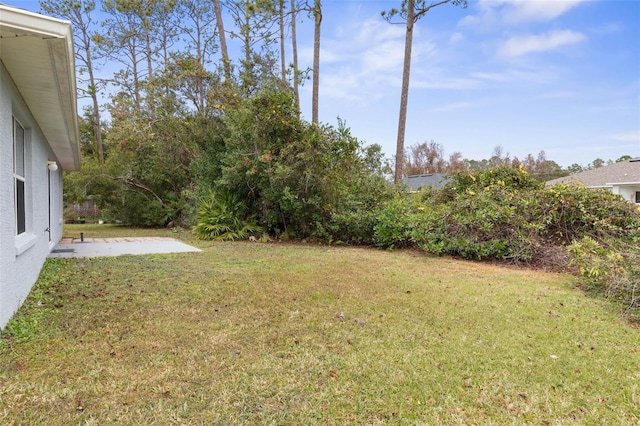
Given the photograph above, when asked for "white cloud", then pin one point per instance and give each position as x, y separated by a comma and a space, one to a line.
373, 31
493, 14
359, 62
522, 45
537, 75
520, 11
363, 62
386, 56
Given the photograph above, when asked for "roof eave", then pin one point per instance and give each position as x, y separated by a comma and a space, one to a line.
51, 41
624, 184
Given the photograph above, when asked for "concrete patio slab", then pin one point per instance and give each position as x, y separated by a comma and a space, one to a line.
98, 247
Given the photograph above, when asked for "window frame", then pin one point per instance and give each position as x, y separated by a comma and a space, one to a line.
19, 178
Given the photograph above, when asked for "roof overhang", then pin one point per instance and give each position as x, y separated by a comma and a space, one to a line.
38, 53
624, 184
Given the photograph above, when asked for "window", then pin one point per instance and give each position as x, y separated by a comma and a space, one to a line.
637, 197
19, 176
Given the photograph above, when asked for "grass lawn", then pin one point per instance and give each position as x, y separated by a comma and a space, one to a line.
252, 333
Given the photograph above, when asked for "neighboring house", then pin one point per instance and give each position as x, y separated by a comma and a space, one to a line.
38, 139
433, 180
621, 178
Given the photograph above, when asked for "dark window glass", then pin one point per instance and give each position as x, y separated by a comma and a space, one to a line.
20, 210
19, 176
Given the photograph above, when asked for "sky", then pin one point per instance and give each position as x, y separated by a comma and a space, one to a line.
559, 76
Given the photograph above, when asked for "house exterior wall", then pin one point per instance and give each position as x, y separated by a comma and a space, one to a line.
22, 257
627, 192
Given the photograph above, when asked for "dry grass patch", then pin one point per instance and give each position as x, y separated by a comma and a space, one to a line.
246, 333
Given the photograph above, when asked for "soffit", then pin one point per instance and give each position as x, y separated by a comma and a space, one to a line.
37, 51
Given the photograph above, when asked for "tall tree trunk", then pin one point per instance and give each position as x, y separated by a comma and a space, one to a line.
97, 123
149, 54
283, 65
412, 16
247, 75
223, 40
294, 46
404, 94
93, 91
317, 13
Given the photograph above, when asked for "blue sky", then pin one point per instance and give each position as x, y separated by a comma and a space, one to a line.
527, 75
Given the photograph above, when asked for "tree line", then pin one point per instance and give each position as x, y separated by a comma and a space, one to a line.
192, 121
429, 157
170, 56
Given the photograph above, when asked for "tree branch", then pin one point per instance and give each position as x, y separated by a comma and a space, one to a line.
422, 11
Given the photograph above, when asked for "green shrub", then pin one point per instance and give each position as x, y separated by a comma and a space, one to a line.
222, 217
504, 214
572, 212
609, 271
507, 178
395, 222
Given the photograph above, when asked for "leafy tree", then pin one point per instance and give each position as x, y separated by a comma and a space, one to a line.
196, 22
456, 163
411, 11
255, 20
476, 165
137, 32
575, 168
80, 15
499, 158
425, 158
543, 169
298, 179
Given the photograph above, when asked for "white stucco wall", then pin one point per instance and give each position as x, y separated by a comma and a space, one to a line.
628, 192
21, 258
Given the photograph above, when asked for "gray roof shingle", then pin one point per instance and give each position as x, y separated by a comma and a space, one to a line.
623, 172
434, 180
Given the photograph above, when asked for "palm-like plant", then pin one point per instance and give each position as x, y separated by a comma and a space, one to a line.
222, 217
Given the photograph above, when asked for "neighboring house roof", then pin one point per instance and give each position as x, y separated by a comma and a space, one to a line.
38, 53
433, 180
622, 173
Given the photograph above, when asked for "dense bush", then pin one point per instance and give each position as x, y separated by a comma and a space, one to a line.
224, 217
300, 180
611, 271
502, 209
475, 216
571, 212
396, 221
503, 214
